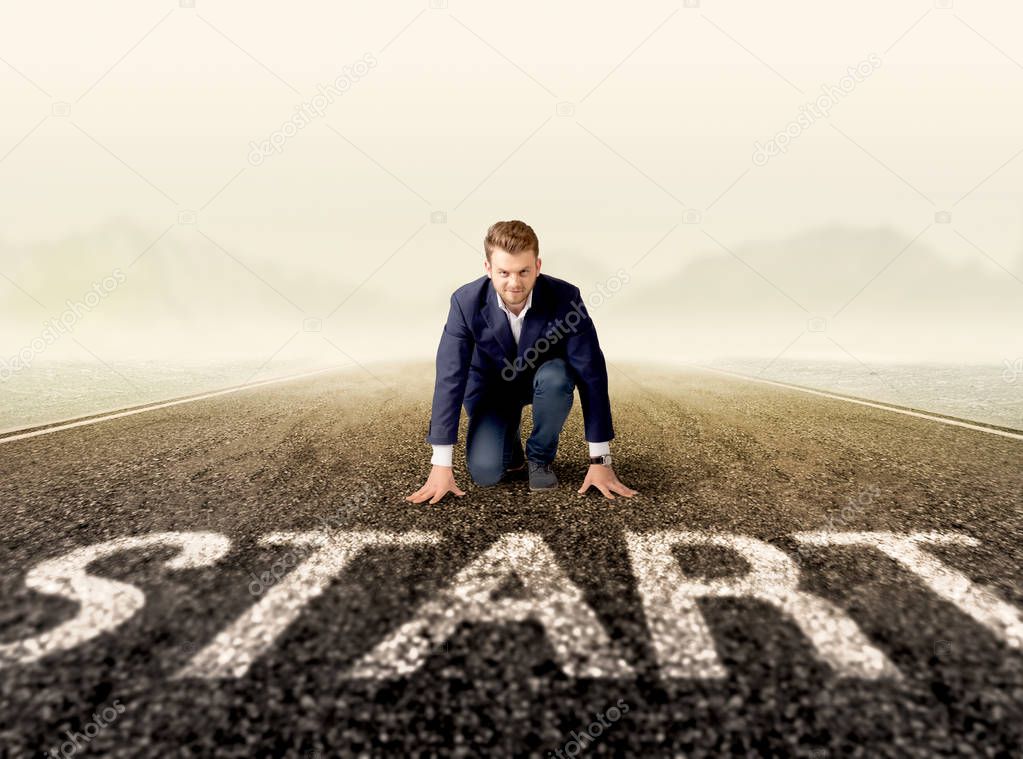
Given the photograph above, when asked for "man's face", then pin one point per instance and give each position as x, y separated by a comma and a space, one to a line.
513, 275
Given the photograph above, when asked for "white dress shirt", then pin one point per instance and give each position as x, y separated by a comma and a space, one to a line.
442, 454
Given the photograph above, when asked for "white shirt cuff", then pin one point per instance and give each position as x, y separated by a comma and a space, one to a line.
600, 449
442, 455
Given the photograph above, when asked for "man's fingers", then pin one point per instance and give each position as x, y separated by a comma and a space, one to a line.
606, 492
623, 489
424, 492
434, 492
586, 484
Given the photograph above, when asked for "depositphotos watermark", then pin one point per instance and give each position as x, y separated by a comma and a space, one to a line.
77, 741
810, 112
55, 328
297, 553
575, 315
1013, 370
583, 737
845, 516
315, 108
852, 508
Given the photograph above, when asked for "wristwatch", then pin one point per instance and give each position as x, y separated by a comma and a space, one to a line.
605, 459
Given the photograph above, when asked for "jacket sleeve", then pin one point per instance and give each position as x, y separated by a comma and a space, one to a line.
453, 356
585, 358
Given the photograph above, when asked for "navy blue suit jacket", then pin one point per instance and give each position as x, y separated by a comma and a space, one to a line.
478, 362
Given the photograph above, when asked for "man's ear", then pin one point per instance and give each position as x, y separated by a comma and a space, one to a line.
538, 262
486, 268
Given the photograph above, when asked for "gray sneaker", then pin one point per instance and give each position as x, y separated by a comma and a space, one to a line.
541, 476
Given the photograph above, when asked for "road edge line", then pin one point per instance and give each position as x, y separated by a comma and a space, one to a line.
934, 417
36, 431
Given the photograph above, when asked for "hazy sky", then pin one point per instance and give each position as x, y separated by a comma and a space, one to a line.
632, 138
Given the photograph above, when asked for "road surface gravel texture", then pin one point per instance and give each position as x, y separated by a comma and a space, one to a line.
266, 645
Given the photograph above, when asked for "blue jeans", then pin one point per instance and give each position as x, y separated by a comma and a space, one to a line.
493, 443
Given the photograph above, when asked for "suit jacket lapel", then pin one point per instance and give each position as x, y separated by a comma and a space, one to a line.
497, 321
536, 316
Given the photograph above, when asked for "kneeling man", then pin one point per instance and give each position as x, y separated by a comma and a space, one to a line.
516, 337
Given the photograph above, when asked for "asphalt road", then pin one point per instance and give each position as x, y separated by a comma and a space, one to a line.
851, 653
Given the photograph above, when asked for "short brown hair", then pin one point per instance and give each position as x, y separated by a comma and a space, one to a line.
512, 236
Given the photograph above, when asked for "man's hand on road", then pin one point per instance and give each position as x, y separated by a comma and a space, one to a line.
440, 482
605, 480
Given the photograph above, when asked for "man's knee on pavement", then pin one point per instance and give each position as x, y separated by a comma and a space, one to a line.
484, 472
